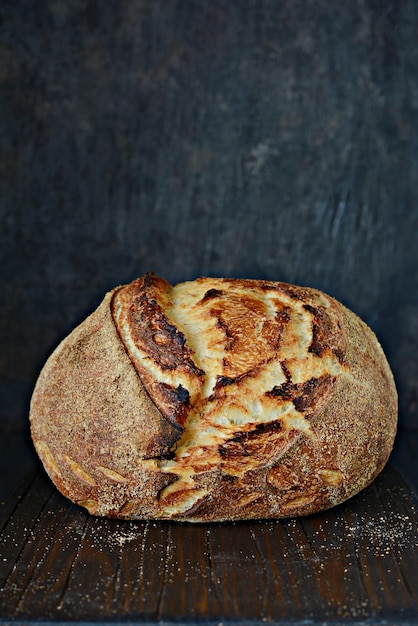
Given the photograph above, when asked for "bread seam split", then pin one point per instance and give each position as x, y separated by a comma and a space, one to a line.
183, 310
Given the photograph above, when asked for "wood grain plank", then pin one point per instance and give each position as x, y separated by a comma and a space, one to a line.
29, 544
186, 587
362, 547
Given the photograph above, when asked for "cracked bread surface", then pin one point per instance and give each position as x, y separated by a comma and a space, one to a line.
216, 399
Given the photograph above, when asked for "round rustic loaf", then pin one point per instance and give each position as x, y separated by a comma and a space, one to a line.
217, 399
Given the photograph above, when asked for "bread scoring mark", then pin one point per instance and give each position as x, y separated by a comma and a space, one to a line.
92, 506
299, 502
291, 482
79, 471
111, 474
246, 373
181, 497
48, 459
130, 507
333, 477
249, 498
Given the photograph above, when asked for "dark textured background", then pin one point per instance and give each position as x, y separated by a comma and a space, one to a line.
273, 139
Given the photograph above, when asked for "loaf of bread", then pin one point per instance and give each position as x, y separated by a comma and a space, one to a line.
214, 400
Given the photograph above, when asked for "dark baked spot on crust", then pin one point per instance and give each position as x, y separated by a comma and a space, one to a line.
285, 391
228, 478
272, 330
183, 395
320, 330
313, 310
223, 381
236, 445
234, 448
305, 396
311, 392
286, 370
324, 333
148, 278
266, 427
266, 286
160, 447
174, 402
339, 353
230, 339
210, 294
292, 291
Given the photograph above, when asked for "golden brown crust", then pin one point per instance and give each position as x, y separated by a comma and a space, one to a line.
217, 399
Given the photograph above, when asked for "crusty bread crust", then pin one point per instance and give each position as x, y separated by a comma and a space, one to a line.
215, 400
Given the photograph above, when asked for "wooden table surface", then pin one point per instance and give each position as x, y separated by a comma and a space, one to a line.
271, 139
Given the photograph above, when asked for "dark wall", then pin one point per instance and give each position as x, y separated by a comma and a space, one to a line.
267, 138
